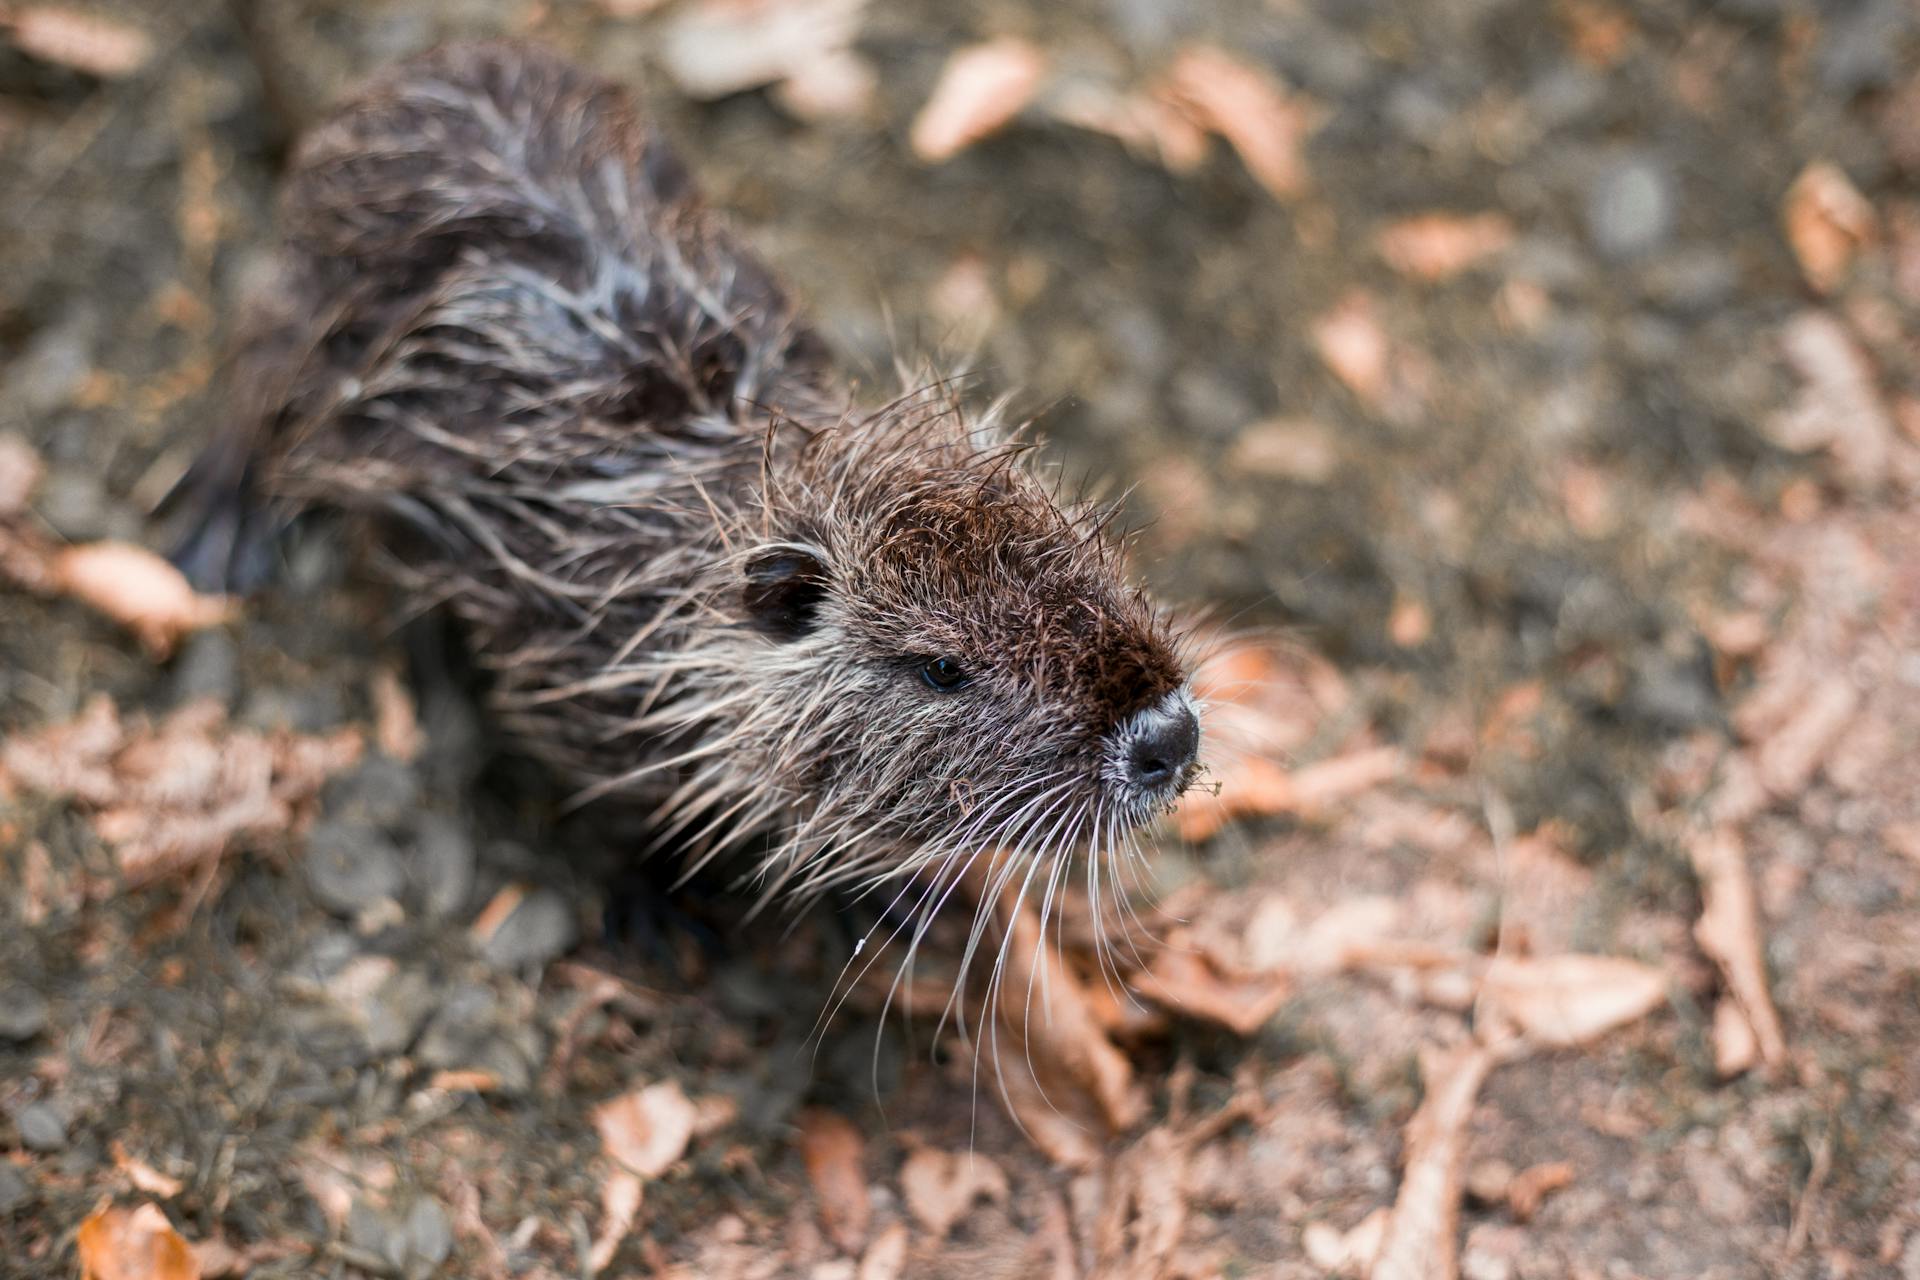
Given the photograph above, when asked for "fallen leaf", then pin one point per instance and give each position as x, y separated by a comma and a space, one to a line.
980, 89
86, 42
1188, 983
1826, 220
940, 1187
180, 795
1251, 109
648, 1129
727, 46
1531, 1186
1350, 341
1787, 757
834, 1152
1735, 1047
139, 590
1839, 407
837, 85
1143, 1212
1068, 1143
1421, 1232
1321, 785
1569, 1000
620, 1198
20, 473
886, 1257
1729, 932
134, 1244
1068, 1036
1438, 246
396, 726
1291, 448
1347, 1253
144, 1176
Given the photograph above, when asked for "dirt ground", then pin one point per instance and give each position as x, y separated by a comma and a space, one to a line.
1535, 383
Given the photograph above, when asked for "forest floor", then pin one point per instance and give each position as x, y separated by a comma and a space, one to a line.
1535, 383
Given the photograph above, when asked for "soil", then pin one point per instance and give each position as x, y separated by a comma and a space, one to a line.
1561, 549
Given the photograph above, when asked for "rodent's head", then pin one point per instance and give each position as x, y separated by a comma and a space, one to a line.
947, 660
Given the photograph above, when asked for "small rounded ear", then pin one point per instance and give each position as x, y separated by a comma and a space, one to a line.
783, 588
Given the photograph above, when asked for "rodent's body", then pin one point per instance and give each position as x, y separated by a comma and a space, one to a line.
587, 425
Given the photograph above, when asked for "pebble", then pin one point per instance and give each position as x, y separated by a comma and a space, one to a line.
23, 1013
40, 1127
74, 502
350, 868
14, 1191
540, 928
472, 1032
429, 1235
208, 667
1673, 694
55, 363
380, 793
1630, 207
393, 1014
442, 865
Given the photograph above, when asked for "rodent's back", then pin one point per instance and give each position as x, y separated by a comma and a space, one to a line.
487, 224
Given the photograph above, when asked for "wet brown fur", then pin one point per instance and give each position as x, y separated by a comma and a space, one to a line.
581, 420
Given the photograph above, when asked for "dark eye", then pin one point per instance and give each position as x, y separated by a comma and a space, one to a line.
944, 674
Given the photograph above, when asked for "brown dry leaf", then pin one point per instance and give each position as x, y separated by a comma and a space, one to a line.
1419, 1241
1787, 757
1531, 1186
980, 89
1346, 1253
396, 725
1325, 783
1064, 1033
620, 1198
1060, 1137
1291, 448
886, 1257
1192, 984
1143, 1211
180, 795
1839, 407
85, 42
1735, 1047
1251, 109
834, 1152
134, 1244
1826, 220
940, 1187
837, 85
1729, 932
20, 473
720, 47
1438, 246
1569, 1000
1388, 379
139, 590
143, 1175
648, 1129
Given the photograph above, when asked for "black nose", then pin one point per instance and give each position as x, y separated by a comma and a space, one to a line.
1169, 737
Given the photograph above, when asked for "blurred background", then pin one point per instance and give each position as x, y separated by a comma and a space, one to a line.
1539, 376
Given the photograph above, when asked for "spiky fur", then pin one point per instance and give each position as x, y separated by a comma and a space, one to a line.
579, 415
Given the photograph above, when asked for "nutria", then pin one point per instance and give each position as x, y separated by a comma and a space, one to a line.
571, 413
